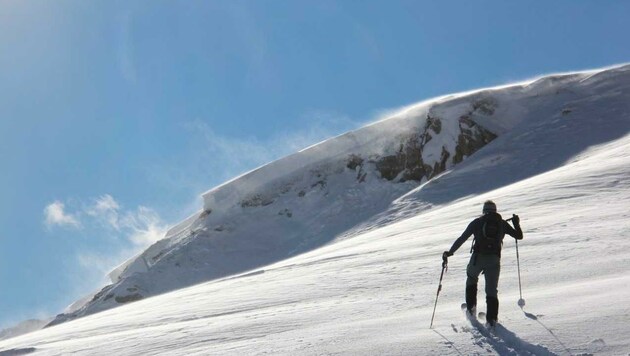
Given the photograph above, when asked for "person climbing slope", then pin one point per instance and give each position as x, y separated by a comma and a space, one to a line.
489, 231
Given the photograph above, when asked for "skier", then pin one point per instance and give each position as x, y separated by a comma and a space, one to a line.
489, 230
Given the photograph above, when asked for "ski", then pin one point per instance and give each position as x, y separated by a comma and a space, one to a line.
491, 327
475, 319
465, 310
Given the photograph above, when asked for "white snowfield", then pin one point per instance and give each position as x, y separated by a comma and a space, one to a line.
561, 161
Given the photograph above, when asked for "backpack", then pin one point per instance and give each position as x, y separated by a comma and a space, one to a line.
491, 238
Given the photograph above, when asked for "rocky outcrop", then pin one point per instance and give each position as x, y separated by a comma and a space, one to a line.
409, 162
472, 138
256, 200
129, 298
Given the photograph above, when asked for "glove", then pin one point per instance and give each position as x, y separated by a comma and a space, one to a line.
516, 220
446, 255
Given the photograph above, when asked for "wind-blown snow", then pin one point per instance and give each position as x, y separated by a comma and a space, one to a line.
24, 327
560, 161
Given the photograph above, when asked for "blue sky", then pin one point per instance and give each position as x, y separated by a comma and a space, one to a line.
116, 115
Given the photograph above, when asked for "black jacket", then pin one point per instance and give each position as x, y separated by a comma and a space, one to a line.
475, 228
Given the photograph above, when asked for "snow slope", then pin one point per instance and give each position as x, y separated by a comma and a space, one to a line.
370, 177
560, 160
24, 327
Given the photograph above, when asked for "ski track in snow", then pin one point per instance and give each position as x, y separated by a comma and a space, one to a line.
372, 291
502, 340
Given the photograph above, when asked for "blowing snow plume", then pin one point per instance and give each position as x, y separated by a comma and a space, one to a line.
427, 155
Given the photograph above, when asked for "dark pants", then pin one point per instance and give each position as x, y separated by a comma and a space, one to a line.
490, 265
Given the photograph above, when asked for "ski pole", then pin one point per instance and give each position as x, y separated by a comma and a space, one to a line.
521, 301
444, 268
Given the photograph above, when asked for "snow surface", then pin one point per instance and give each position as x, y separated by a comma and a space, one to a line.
368, 284
24, 327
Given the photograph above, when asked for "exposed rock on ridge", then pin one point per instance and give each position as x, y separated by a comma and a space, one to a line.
408, 163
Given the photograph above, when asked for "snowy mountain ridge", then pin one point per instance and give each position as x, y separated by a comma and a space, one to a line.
368, 179
560, 160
